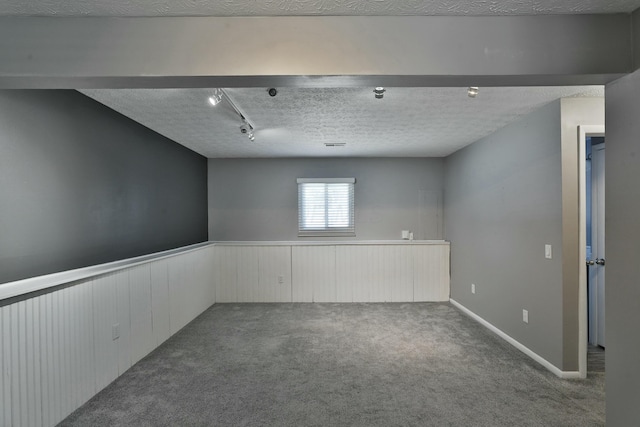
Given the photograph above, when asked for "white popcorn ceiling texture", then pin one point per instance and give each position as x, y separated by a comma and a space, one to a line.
407, 122
310, 7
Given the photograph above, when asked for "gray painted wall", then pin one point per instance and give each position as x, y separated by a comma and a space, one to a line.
623, 251
80, 185
257, 199
503, 203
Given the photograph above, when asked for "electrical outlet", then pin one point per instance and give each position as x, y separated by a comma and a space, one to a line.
548, 254
525, 316
473, 288
280, 280
115, 331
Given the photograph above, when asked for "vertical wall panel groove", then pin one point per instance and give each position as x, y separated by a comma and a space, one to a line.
5, 384
47, 361
22, 363
37, 373
30, 362
56, 346
15, 368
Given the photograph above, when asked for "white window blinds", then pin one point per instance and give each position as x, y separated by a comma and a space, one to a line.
326, 206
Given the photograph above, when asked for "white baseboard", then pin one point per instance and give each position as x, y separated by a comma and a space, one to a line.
541, 360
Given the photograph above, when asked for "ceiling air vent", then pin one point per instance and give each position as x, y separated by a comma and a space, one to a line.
335, 144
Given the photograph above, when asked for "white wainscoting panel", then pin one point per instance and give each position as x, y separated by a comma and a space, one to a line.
252, 273
48, 357
123, 319
160, 302
226, 262
249, 272
274, 267
142, 341
57, 349
105, 315
431, 273
374, 273
190, 287
313, 273
398, 272
353, 276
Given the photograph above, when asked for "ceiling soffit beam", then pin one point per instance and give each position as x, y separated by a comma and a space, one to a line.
88, 52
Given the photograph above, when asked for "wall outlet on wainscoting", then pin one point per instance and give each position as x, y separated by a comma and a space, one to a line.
473, 288
115, 331
280, 280
525, 316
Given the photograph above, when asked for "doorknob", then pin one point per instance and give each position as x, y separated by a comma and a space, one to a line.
591, 262
600, 261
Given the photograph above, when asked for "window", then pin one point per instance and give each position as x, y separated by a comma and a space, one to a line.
325, 207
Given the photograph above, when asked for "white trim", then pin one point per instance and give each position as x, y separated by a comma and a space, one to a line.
541, 360
326, 180
583, 321
322, 233
331, 243
38, 283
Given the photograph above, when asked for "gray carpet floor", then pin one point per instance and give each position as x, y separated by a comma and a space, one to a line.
420, 364
595, 358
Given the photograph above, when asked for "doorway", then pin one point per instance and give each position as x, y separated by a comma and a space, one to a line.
592, 238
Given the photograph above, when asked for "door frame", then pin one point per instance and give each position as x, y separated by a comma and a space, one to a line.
583, 322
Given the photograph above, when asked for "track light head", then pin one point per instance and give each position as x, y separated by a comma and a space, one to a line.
216, 98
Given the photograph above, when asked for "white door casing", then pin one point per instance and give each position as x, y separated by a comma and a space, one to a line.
597, 270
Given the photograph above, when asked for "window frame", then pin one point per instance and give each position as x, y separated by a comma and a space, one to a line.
327, 231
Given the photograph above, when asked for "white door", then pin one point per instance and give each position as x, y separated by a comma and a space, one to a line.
597, 264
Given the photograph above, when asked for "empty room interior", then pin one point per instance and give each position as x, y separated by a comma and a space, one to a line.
319, 213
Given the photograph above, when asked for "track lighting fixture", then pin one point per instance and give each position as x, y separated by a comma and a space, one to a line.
379, 92
216, 97
246, 128
472, 92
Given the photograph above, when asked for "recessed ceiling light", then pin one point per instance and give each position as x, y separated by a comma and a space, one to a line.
472, 92
379, 91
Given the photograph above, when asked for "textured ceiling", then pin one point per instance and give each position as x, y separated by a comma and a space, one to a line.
309, 7
298, 122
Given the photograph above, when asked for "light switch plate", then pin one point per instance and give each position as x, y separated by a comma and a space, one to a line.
547, 252
115, 331
525, 316
473, 288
